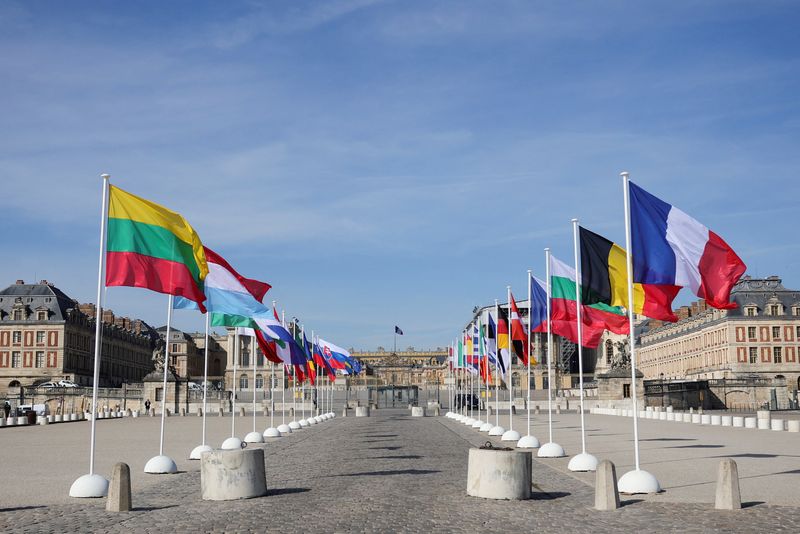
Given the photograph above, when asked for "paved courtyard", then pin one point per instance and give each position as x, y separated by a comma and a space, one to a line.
386, 473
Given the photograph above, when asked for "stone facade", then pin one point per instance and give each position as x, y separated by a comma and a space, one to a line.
47, 336
758, 339
423, 369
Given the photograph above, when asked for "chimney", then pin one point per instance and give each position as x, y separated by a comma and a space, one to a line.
20, 282
44, 283
683, 313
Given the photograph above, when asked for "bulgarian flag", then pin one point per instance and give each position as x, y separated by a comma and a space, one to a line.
151, 247
596, 317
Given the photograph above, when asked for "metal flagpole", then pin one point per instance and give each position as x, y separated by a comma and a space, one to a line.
205, 379
637, 481
510, 364
254, 355
92, 485
529, 352
583, 461
497, 381
272, 395
235, 384
166, 370
303, 388
549, 449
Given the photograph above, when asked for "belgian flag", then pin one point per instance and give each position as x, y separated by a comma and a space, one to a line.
604, 279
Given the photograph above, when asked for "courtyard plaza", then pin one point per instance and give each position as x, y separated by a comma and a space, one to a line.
395, 473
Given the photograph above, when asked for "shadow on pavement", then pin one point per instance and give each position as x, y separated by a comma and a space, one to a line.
551, 496
18, 508
286, 491
385, 448
629, 502
390, 473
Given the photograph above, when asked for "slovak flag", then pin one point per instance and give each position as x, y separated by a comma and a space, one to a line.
670, 247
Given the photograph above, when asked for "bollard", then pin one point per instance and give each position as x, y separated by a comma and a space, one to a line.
499, 474
793, 425
232, 474
606, 493
536, 409
764, 424
513, 410
199, 412
241, 412
417, 411
344, 411
221, 412
291, 412
750, 422
716, 420
727, 420
489, 410
119, 491
362, 411
437, 411
777, 425
558, 409
183, 412
728, 496
738, 421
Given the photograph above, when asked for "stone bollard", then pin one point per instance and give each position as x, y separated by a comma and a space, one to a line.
513, 410
793, 425
489, 410
437, 411
750, 422
738, 421
705, 419
226, 475
200, 412
183, 412
716, 420
151, 412
763, 414
499, 474
291, 412
167, 412
3, 421
558, 409
41, 420
362, 411
764, 424
417, 411
535, 409
119, 491
728, 496
221, 412
727, 420
241, 412
777, 425
606, 493
344, 411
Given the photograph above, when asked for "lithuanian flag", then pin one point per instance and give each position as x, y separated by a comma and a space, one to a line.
604, 278
154, 248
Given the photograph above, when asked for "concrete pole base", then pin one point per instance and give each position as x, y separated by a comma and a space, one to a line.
528, 442
231, 444
197, 452
510, 435
284, 429
417, 411
362, 411
638, 481
272, 432
486, 427
294, 425
551, 450
497, 431
89, 486
160, 465
254, 437
497, 474
231, 475
582, 462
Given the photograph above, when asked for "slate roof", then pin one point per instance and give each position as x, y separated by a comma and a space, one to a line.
35, 297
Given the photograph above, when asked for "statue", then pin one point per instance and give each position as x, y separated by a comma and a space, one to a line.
622, 355
158, 355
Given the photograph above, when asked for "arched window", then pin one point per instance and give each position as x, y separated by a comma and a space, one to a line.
259, 382
243, 382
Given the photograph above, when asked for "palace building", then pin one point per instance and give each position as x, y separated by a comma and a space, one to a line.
47, 336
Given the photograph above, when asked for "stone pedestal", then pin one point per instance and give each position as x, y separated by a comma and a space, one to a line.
417, 411
499, 474
362, 411
233, 474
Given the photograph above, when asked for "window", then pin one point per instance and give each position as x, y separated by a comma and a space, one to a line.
39, 337
245, 358
174, 348
777, 357
751, 311
751, 332
40, 359
609, 352
774, 309
16, 336
259, 382
243, 382
798, 333
41, 316
797, 310
776, 332
15, 359
626, 391
16, 315
753, 354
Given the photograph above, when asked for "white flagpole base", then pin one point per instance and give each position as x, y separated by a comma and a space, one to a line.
160, 465
497, 431
197, 452
284, 429
485, 427
89, 486
254, 437
468, 421
318, 419
458, 417
638, 481
231, 444
510, 435
294, 425
528, 442
272, 433
303, 423
312, 421
477, 424
449, 414
583, 462
551, 450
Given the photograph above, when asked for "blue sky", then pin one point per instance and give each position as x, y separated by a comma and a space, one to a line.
394, 162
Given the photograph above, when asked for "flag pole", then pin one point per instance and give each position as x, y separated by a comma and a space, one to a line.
255, 436
583, 461
497, 381
92, 485
550, 449
236, 354
511, 364
272, 395
197, 452
529, 441
636, 481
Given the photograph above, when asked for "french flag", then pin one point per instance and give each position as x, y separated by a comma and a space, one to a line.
670, 247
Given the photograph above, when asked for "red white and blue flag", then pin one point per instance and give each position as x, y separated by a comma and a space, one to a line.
670, 247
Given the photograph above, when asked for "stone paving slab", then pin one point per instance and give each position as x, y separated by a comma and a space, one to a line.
386, 473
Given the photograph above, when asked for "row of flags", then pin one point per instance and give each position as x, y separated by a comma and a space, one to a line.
152, 247
669, 251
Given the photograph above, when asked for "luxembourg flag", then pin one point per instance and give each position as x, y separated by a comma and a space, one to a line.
232, 299
670, 247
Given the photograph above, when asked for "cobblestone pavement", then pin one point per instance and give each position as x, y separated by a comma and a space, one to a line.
386, 473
